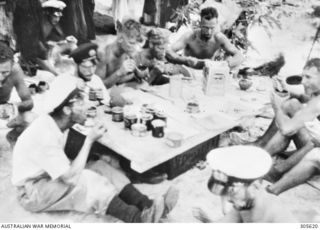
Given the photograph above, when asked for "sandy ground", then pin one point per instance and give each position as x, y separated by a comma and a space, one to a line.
295, 41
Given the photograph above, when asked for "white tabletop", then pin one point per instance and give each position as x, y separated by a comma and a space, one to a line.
217, 115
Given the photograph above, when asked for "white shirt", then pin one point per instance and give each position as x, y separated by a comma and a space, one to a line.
39, 149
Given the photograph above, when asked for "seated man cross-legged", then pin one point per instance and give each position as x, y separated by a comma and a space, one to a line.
297, 121
46, 180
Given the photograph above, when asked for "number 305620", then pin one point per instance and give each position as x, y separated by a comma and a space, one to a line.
309, 226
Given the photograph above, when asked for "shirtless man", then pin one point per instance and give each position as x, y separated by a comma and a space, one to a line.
11, 76
153, 59
204, 43
288, 125
234, 176
306, 118
116, 64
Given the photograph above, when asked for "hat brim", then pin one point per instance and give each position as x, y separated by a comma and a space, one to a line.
242, 162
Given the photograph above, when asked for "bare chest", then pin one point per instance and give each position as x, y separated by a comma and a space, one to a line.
202, 49
114, 63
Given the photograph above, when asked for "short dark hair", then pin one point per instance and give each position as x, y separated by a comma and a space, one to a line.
6, 53
130, 28
208, 13
74, 95
314, 62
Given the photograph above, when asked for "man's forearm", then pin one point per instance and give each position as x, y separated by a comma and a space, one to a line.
46, 65
25, 105
183, 60
294, 159
284, 123
112, 79
236, 60
79, 163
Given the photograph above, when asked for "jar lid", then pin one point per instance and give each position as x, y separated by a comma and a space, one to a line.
139, 127
146, 116
158, 123
130, 116
117, 109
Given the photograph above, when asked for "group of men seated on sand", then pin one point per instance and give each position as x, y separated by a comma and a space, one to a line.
46, 180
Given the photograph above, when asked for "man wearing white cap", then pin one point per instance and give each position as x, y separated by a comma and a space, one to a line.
236, 174
53, 35
46, 180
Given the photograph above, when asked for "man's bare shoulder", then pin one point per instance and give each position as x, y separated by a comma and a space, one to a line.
17, 73
314, 104
105, 53
220, 37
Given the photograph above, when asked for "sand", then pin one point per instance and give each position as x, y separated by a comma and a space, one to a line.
302, 200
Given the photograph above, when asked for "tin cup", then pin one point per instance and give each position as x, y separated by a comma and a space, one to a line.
92, 94
174, 139
217, 186
146, 119
107, 109
193, 107
139, 130
150, 110
158, 128
117, 114
129, 120
92, 112
161, 116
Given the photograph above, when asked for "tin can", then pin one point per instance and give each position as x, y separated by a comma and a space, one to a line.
117, 114
107, 109
139, 130
92, 112
158, 128
216, 186
193, 107
146, 119
161, 116
129, 120
92, 94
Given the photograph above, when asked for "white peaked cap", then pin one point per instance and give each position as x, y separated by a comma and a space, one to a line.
242, 162
59, 90
54, 4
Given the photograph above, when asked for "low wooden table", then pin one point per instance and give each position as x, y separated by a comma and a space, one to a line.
201, 132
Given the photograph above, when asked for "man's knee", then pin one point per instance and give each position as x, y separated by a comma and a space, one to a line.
291, 106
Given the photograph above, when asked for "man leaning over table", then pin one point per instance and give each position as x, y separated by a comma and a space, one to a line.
46, 180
